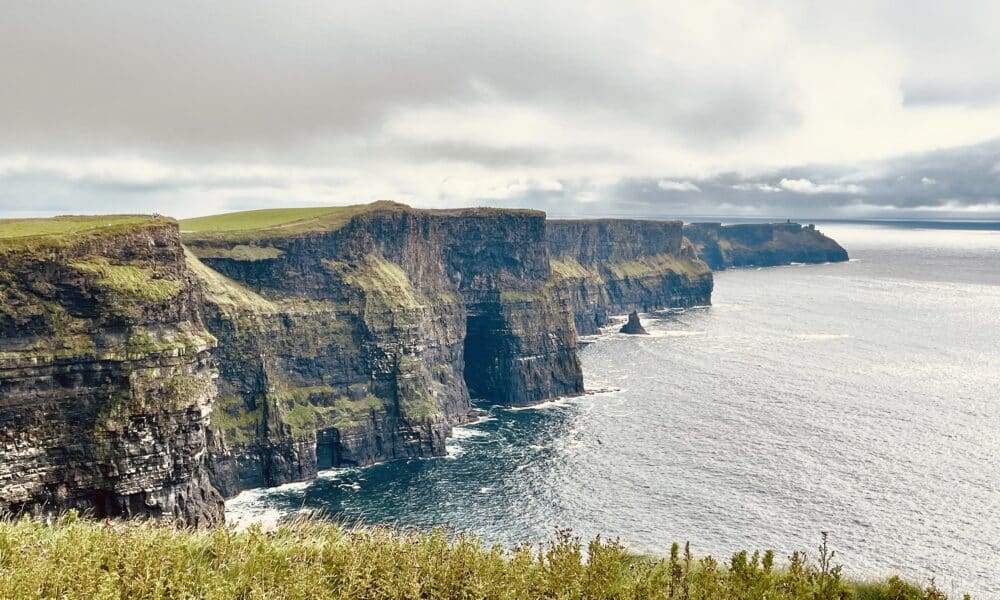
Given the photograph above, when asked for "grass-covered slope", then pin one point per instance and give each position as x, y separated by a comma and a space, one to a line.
75, 559
256, 225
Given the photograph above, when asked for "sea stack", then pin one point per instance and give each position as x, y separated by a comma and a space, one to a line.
634, 326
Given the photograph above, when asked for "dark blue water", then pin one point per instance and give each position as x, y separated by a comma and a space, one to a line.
860, 398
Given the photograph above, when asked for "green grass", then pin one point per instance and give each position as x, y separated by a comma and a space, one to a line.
381, 280
135, 282
20, 235
305, 410
658, 264
225, 292
75, 559
63, 226
256, 225
238, 425
568, 268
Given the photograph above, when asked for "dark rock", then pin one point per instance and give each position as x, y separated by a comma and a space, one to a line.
604, 267
633, 326
106, 377
366, 343
761, 245
137, 378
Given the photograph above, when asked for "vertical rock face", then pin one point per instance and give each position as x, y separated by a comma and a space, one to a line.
351, 340
106, 383
605, 267
761, 245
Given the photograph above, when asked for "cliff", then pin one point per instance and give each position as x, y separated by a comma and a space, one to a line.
761, 245
106, 382
356, 335
607, 267
143, 377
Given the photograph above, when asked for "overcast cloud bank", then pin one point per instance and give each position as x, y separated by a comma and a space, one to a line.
770, 107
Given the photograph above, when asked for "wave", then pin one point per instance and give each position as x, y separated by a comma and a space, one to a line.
822, 336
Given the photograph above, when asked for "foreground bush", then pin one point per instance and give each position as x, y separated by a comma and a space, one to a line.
71, 558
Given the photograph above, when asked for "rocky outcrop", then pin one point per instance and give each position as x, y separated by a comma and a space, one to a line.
761, 245
106, 383
358, 339
633, 326
606, 267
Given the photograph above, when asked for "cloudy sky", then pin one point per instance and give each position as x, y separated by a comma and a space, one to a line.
848, 109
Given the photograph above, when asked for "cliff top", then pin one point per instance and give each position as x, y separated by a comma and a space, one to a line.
255, 225
23, 233
276, 222
598, 220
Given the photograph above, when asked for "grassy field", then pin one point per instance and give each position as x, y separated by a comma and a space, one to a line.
72, 558
256, 225
23, 233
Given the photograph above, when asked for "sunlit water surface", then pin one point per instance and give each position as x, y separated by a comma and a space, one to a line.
858, 398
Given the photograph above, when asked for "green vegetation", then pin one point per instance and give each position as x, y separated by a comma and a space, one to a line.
418, 404
380, 279
256, 225
22, 233
225, 292
306, 409
138, 283
512, 296
656, 265
569, 268
231, 417
75, 559
241, 252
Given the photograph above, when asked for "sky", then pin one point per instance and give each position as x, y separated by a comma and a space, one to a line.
769, 108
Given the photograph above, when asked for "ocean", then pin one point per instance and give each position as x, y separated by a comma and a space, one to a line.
860, 398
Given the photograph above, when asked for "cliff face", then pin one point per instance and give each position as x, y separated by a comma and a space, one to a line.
761, 245
138, 377
605, 267
106, 382
351, 341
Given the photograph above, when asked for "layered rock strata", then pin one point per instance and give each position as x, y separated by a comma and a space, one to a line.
106, 383
363, 337
140, 378
607, 267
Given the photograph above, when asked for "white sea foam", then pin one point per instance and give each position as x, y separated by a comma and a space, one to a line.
821, 336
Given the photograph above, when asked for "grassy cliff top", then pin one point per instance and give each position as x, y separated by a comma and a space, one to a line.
57, 230
252, 225
267, 224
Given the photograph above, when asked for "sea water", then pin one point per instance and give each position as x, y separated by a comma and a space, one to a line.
860, 398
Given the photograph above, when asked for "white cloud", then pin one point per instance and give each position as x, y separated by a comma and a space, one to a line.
340, 104
677, 186
805, 186
928, 180
756, 187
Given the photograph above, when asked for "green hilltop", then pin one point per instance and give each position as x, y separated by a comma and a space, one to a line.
57, 230
254, 225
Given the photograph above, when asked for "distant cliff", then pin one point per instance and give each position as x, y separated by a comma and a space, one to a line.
143, 377
611, 267
362, 334
761, 245
106, 383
